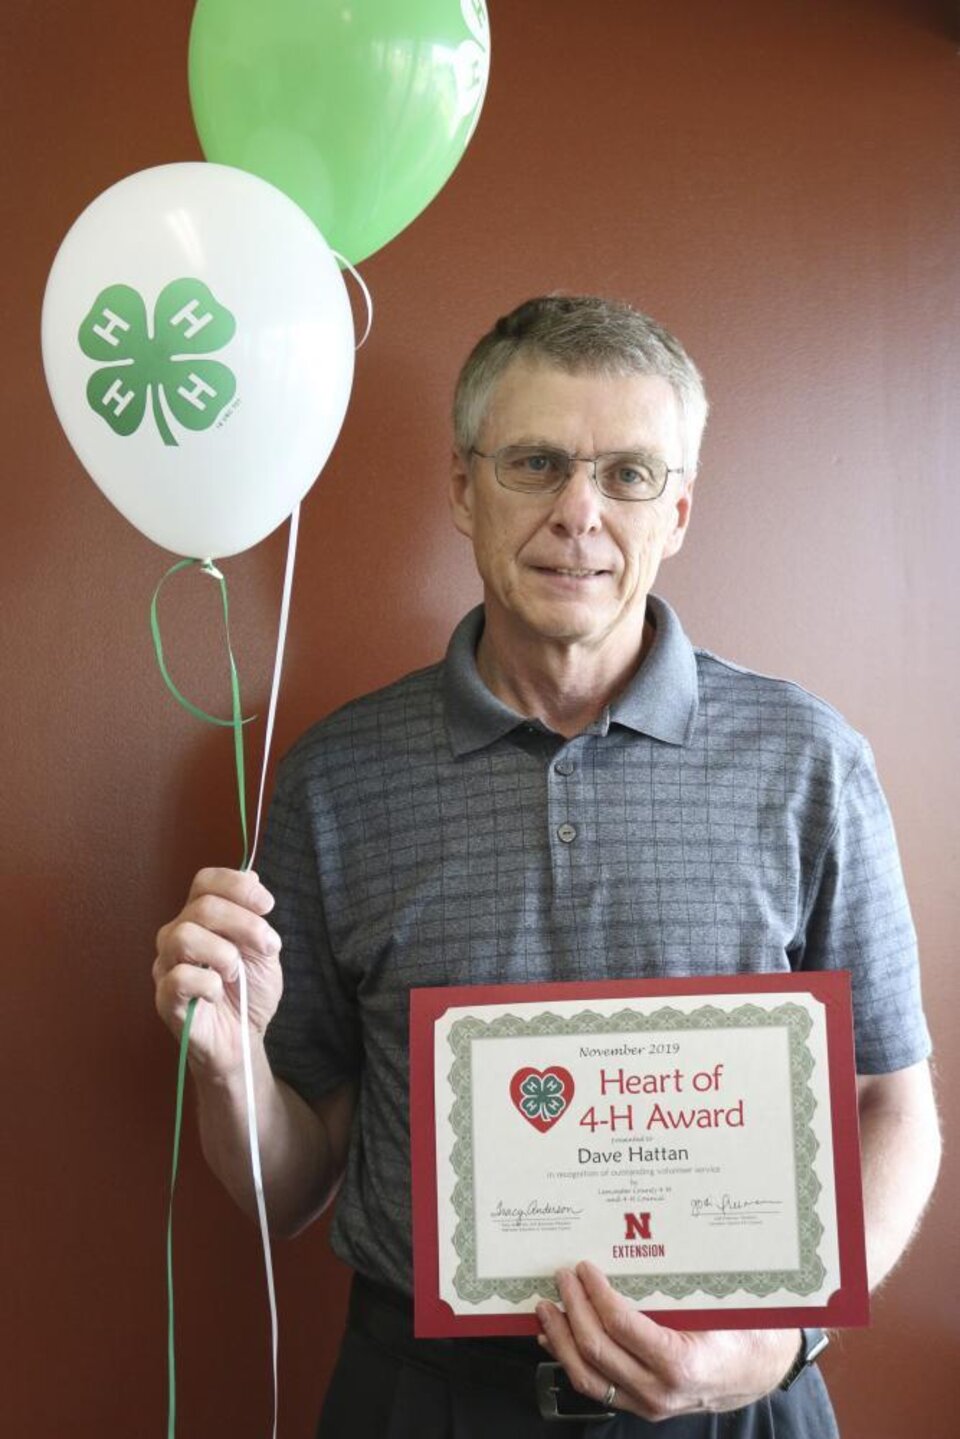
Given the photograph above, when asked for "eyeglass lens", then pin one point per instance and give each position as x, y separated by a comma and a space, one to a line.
624, 475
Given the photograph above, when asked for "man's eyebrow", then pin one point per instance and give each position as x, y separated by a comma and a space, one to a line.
650, 451
541, 440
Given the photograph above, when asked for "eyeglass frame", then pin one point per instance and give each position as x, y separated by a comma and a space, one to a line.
572, 462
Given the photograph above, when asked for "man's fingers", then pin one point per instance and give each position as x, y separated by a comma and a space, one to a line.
221, 921
560, 1341
193, 945
598, 1356
219, 918
182, 984
603, 1340
624, 1324
220, 932
592, 1340
659, 1372
241, 887
249, 932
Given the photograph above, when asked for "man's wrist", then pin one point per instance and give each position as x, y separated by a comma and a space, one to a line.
222, 1081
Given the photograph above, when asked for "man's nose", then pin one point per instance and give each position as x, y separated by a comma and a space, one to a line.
578, 506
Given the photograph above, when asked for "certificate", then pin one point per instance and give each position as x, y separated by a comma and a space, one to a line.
695, 1138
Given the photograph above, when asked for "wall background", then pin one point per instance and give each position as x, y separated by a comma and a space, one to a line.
777, 181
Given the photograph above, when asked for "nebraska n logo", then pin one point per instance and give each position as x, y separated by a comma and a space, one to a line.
638, 1226
187, 322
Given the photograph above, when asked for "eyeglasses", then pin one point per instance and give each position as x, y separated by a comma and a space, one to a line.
544, 469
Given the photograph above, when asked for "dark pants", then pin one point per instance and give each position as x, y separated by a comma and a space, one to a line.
387, 1385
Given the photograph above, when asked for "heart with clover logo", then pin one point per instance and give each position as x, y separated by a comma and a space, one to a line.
542, 1096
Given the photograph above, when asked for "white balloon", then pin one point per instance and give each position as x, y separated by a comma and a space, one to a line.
198, 345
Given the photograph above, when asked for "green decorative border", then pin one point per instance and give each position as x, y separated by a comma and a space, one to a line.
807, 1279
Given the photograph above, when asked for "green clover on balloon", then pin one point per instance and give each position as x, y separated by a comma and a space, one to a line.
187, 324
542, 1096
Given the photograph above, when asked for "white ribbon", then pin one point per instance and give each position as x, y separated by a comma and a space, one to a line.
258, 1181
252, 1128
277, 668
368, 298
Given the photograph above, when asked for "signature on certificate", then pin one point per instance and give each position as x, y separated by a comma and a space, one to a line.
727, 1204
532, 1209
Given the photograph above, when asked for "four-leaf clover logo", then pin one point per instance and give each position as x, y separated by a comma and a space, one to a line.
187, 324
543, 1096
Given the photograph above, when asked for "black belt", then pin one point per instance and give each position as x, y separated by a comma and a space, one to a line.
514, 1365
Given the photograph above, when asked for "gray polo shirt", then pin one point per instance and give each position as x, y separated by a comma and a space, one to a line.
711, 821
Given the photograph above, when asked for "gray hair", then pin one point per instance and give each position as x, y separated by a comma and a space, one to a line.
580, 334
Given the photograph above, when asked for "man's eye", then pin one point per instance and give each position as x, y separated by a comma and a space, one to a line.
632, 475
538, 464
629, 474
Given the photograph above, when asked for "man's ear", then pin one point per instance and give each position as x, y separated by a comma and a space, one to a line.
684, 504
460, 493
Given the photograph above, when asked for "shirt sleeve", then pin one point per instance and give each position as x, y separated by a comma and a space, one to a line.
858, 918
313, 1041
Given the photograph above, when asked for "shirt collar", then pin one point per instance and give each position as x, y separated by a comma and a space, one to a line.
660, 700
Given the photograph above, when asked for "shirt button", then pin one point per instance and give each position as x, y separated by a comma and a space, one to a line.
567, 832
564, 766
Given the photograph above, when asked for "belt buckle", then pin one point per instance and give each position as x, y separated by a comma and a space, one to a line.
552, 1382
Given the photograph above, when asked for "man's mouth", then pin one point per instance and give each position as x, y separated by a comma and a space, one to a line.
569, 572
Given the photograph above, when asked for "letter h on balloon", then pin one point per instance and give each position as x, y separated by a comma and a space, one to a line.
111, 323
195, 322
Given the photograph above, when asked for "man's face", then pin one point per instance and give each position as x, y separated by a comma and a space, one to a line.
575, 567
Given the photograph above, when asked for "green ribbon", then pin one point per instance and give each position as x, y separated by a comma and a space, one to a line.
236, 722
208, 568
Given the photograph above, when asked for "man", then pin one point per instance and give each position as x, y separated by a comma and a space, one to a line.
575, 793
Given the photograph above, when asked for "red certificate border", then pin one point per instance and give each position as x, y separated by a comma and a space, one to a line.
847, 1306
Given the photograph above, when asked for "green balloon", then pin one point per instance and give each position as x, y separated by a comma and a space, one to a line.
360, 110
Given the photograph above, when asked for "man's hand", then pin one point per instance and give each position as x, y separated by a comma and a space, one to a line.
303, 1146
199, 953
659, 1373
